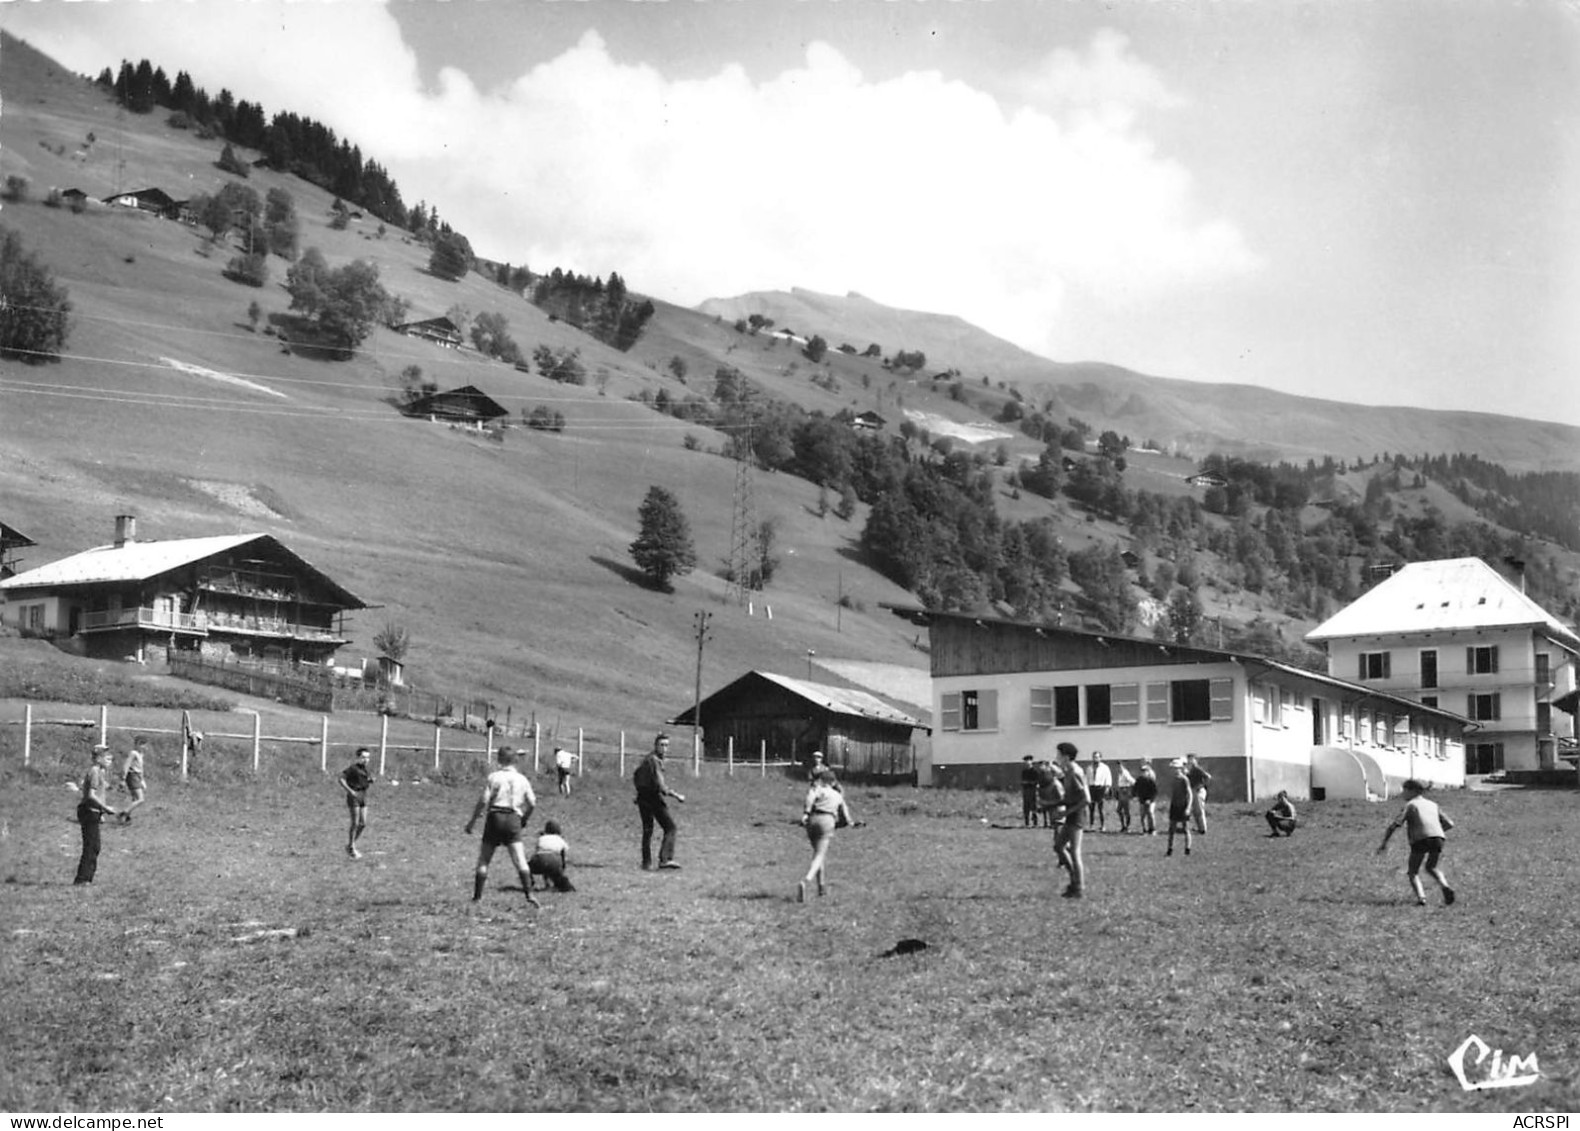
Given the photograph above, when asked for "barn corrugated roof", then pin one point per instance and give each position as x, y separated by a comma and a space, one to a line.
841, 700
1438, 596
139, 561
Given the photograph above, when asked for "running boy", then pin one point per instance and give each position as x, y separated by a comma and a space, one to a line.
1427, 827
355, 781
132, 774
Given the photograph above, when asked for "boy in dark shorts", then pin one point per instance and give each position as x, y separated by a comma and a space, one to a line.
1077, 810
132, 774
356, 779
507, 800
1427, 829
1028, 792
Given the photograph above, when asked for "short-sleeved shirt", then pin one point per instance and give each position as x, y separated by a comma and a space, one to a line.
358, 779
551, 844
649, 777
563, 760
95, 783
508, 788
1198, 777
1076, 796
1102, 776
134, 762
1146, 788
1422, 819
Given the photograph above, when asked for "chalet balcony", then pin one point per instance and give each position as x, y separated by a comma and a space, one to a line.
204, 624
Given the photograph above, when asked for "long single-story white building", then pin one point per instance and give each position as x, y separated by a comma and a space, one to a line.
1004, 689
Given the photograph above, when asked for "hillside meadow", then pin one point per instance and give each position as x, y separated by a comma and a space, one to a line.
230, 956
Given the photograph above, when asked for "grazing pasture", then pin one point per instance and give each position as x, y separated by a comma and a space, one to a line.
231, 957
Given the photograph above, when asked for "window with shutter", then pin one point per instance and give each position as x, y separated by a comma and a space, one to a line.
1067, 706
949, 711
1099, 705
1124, 704
987, 710
1157, 702
1042, 706
1221, 692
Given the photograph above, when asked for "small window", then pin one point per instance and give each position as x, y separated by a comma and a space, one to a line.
1067, 706
1375, 665
1190, 701
1482, 661
1544, 668
1484, 708
1429, 700
1099, 705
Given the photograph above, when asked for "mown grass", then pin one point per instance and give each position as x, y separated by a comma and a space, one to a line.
1254, 975
34, 670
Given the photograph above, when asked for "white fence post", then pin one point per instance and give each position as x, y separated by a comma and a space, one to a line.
257, 739
762, 754
323, 744
622, 754
436, 745
537, 743
488, 744
579, 740
104, 724
384, 740
730, 749
27, 733
186, 729
696, 754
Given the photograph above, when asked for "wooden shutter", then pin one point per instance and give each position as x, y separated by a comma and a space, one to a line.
1361, 673
1125, 704
1042, 706
987, 710
1258, 704
1158, 702
949, 711
1221, 692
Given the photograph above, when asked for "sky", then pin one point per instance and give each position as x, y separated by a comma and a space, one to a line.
1374, 201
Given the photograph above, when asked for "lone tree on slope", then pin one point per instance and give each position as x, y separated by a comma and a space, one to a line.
663, 549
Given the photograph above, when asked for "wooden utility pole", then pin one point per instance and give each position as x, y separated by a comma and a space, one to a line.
702, 619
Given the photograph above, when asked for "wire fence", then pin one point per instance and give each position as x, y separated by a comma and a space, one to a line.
403, 755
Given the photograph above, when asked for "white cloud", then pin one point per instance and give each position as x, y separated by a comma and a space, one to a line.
919, 191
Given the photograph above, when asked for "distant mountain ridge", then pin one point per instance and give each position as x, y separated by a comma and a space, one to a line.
1197, 417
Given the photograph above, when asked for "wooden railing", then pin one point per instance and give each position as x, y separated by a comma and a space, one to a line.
203, 623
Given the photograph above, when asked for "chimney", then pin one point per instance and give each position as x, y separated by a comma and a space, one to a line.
125, 529
1518, 566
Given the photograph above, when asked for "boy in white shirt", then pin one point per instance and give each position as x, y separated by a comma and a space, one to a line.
551, 857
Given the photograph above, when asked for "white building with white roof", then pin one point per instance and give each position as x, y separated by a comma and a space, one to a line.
1458, 635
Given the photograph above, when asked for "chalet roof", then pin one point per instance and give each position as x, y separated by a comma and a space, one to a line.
468, 399
1440, 596
11, 536
141, 561
1193, 654
839, 700
149, 195
441, 323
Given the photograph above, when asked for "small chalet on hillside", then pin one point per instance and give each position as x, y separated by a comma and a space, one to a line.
466, 405
1004, 689
154, 200
11, 540
235, 596
868, 421
764, 715
1457, 633
439, 330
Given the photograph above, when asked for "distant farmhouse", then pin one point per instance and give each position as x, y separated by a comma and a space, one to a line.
237, 596
439, 330
774, 717
154, 200
466, 405
1003, 689
868, 421
1206, 479
1457, 634
11, 540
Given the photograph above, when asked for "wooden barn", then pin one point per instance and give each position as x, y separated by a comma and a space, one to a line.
11, 540
466, 405
441, 331
859, 734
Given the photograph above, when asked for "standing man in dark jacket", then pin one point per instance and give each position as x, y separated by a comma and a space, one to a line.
651, 802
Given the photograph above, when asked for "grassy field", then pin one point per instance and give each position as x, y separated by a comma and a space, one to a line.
231, 957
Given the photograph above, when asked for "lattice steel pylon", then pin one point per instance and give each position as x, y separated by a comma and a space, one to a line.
745, 567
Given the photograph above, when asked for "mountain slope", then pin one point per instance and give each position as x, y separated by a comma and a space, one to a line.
1192, 417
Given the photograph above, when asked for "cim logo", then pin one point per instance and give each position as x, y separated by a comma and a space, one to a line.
1513, 1073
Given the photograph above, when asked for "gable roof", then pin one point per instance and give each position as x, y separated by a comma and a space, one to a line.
440, 324
11, 536
839, 700
1438, 596
467, 402
140, 561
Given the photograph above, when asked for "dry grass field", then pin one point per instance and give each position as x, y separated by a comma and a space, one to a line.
232, 958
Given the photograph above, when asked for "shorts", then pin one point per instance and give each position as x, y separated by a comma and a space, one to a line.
819, 827
1427, 851
1179, 814
1075, 817
134, 782
501, 828
356, 801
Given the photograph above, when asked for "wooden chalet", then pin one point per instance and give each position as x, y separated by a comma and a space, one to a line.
764, 715
438, 330
11, 540
466, 405
232, 597
868, 421
154, 200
